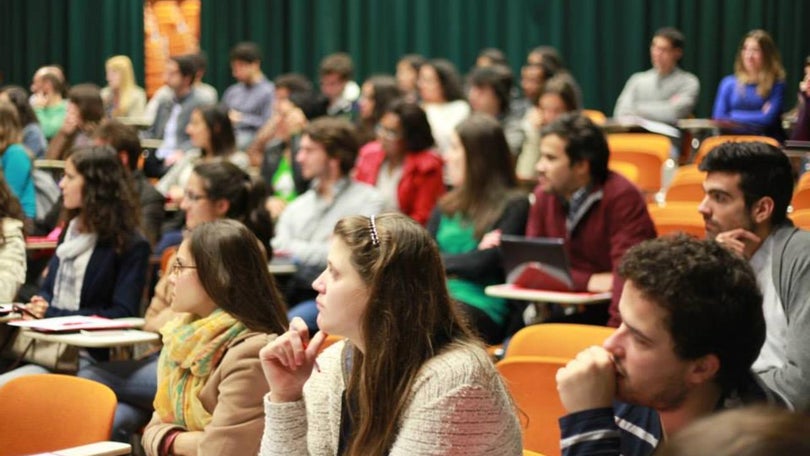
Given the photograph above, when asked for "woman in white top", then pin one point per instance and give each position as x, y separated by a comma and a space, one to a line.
410, 378
12, 243
442, 99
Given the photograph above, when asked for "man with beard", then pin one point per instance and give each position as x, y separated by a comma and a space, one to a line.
748, 188
692, 325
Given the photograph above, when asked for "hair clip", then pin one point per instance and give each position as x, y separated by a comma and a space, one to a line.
375, 239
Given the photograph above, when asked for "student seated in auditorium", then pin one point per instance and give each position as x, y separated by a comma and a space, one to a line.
408, 355
124, 139
376, 93
100, 263
402, 164
748, 188
336, 72
204, 91
467, 223
599, 213
173, 115
490, 92
250, 101
754, 95
210, 392
215, 191
85, 110
683, 351
33, 137
12, 243
47, 91
327, 154
801, 132
442, 96
15, 162
665, 92
122, 96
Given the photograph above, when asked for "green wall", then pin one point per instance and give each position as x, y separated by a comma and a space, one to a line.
604, 41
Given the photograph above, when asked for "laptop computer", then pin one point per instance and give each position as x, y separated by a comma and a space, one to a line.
536, 262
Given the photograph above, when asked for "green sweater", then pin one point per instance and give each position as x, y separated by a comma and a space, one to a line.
51, 118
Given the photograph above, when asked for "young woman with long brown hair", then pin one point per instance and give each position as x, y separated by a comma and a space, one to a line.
410, 377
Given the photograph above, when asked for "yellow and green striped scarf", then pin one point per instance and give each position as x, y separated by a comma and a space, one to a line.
192, 349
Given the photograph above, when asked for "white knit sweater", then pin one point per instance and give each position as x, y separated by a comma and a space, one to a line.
12, 259
459, 406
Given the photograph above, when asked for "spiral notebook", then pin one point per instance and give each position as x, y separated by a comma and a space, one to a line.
538, 263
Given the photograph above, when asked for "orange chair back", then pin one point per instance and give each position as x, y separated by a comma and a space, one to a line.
801, 218
713, 141
531, 380
166, 257
686, 185
597, 117
645, 150
801, 194
531, 453
628, 170
47, 412
677, 217
559, 340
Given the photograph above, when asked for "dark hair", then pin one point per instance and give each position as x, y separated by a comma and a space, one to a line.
584, 141
711, 298
87, 97
408, 301
764, 171
414, 60
220, 129
293, 82
110, 207
551, 56
200, 60
415, 127
489, 181
673, 35
563, 86
495, 55
498, 78
9, 205
57, 83
338, 63
338, 137
19, 98
386, 90
233, 271
449, 79
312, 104
222, 180
187, 64
246, 52
749, 431
122, 138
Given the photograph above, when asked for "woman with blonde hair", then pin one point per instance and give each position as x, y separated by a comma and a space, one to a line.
409, 378
122, 96
754, 95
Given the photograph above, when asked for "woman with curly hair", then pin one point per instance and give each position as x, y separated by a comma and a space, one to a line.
100, 263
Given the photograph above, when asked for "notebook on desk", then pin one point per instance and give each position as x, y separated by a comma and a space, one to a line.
536, 263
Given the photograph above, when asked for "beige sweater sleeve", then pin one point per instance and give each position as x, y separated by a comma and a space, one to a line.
12, 259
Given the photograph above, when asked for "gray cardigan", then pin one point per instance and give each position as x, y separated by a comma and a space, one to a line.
791, 277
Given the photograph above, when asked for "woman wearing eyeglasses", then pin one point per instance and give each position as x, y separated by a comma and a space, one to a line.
402, 164
409, 379
214, 191
100, 263
210, 388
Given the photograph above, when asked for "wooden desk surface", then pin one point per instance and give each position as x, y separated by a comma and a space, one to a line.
510, 291
281, 265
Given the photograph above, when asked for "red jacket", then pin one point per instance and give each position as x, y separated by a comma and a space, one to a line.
598, 241
421, 184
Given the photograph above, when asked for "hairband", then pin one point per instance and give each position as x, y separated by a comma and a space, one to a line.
375, 239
